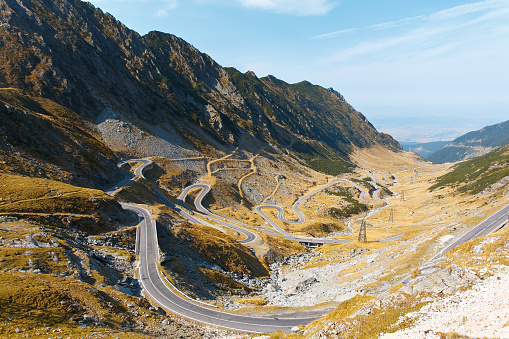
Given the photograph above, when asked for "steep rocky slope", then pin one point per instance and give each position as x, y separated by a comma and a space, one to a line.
164, 92
39, 138
473, 144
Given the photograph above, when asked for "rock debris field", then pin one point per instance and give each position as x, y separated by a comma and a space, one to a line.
482, 312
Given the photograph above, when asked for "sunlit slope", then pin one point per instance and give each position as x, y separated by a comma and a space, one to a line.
475, 175
473, 144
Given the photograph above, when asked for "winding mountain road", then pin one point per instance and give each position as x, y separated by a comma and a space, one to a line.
489, 225
282, 233
485, 227
157, 288
249, 236
138, 172
280, 212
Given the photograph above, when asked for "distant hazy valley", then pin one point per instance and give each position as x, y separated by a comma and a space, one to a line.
147, 191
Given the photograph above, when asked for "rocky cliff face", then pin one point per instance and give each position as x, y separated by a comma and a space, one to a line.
165, 90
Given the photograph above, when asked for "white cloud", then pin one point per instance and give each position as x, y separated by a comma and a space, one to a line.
468, 8
443, 15
430, 36
296, 7
168, 5
334, 34
398, 23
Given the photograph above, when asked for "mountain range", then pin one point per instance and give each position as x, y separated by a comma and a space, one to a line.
171, 98
473, 144
135, 164
424, 149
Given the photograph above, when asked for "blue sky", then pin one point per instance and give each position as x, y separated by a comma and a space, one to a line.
419, 70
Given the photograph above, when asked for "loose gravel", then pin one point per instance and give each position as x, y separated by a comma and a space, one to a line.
480, 312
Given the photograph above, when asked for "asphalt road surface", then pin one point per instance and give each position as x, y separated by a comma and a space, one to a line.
485, 227
146, 164
156, 289
281, 233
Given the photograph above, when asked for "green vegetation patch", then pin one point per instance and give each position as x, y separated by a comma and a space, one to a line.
331, 167
475, 175
351, 207
322, 229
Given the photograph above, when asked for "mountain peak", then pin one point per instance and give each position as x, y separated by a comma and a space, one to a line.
252, 74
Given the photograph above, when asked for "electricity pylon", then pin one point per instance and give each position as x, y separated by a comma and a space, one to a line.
362, 232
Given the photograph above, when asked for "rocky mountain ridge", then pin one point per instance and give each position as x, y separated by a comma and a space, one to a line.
473, 144
168, 91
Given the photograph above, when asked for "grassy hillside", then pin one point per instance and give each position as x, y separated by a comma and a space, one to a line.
475, 175
473, 144
33, 195
40, 138
90, 211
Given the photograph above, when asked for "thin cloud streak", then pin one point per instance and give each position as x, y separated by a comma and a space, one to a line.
441, 15
334, 34
295, 7
391, 24
164, 11
468, 8
429, 36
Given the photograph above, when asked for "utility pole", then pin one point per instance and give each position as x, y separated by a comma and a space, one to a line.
362, 232
391, 216
402, 195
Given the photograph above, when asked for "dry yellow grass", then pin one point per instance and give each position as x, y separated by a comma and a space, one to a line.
39, 303
385, 160
415, 210
482, 253
266, 310
345, 309
33, 195
220, 249
252, 301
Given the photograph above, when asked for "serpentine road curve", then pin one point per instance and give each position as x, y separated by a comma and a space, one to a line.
158, 290
205, 189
